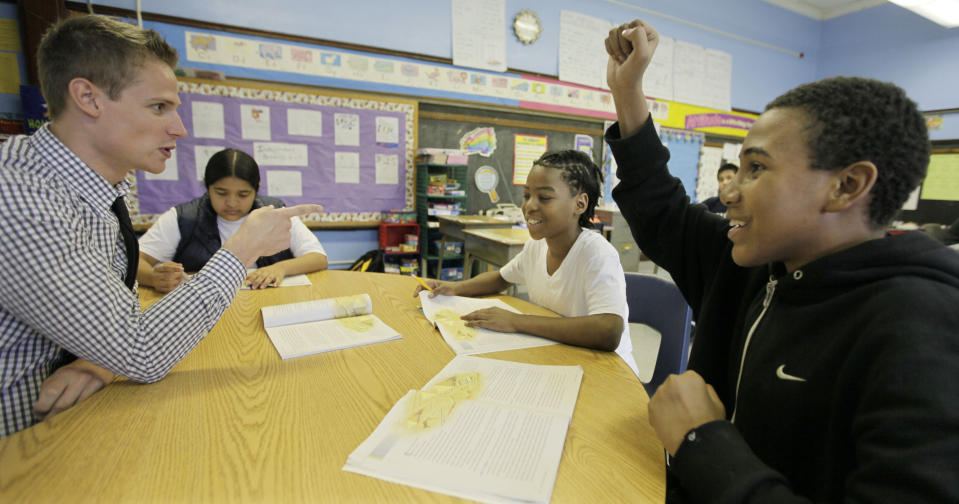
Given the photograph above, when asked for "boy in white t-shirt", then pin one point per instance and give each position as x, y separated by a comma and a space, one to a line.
565, 267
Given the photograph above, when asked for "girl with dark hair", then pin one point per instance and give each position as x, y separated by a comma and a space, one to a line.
565, 266
186, 236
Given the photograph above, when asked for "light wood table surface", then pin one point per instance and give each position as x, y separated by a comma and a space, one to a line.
233, 423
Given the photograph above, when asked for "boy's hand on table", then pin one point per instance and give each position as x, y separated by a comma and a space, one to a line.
494, 319
682, 403
167, 276
69, 386
268, 276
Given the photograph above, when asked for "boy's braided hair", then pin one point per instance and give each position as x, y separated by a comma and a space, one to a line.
581, 175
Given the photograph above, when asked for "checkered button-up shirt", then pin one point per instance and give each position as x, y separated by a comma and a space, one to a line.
63, 262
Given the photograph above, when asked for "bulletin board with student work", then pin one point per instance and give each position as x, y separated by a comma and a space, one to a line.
937, 199
352, 154
685, 149
503, 144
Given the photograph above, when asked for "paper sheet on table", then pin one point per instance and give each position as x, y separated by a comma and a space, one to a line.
322, 325
498, 438
444, 313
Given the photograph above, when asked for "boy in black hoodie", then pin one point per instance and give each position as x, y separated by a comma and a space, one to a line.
826, 363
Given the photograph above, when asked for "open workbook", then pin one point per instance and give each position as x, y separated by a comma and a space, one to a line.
445, 312
322, 325
481, 429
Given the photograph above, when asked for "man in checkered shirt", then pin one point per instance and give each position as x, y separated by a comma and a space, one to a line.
112, 100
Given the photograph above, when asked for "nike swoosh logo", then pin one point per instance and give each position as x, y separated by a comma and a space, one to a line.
781, 374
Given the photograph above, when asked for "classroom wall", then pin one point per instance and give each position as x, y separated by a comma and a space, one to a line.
885, 42
890, 43
423, 27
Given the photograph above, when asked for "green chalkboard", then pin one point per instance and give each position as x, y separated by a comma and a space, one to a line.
444, 126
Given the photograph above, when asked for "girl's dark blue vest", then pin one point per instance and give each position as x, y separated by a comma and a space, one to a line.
200, 237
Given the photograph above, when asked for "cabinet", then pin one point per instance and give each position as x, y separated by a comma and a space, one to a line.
400, 245
440, 190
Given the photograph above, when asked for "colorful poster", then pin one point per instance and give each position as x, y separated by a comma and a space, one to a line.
526, 150
583, 143
480, 141
942, 178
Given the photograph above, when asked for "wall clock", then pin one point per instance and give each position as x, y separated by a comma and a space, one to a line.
526, 26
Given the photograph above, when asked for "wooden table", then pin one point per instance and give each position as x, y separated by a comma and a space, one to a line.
492, 246
452, 226
233, 423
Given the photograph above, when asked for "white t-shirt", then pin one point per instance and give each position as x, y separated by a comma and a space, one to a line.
590, 281
163, 237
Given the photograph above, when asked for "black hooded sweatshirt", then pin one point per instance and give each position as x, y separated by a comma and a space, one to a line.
849, 389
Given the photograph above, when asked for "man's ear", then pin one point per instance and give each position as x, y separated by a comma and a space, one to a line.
86, 96
852, 185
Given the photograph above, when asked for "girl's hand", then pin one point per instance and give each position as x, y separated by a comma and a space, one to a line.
439, 288
494, 319
269, 276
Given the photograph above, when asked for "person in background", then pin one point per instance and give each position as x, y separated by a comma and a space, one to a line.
69, 253
826, 351
187, 235
566, 267
725, 175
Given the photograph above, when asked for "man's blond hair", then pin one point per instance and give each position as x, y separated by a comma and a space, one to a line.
103, 50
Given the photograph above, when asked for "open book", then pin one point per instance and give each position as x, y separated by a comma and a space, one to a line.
481, 429
322, 325
445, 312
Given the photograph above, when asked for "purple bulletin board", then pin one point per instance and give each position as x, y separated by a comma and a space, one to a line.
355, 156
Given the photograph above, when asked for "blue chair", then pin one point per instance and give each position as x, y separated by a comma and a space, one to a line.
658, 303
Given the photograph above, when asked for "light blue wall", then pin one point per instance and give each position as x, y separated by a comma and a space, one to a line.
423, 27
885, 42
892, 44
347, 245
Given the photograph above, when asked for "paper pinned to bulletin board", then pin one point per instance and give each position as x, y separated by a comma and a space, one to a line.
942, 178
710, 159
526, 150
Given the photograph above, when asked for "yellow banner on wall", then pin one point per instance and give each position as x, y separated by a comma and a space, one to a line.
694, 118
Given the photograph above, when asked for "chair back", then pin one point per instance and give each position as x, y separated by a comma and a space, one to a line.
658, 303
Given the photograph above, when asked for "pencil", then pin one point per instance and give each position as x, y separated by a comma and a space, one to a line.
420, 280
